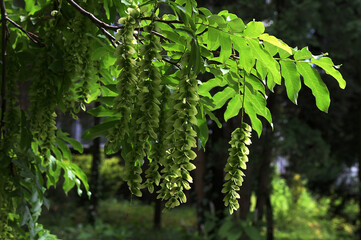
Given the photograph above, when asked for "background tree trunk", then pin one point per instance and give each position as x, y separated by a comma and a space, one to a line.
157, 213
94, 180
264, 175
199, 189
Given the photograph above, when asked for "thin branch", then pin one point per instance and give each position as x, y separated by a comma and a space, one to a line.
173, 63
91, 16
4, 31
103, 26
32, 36
110, 37
163, 21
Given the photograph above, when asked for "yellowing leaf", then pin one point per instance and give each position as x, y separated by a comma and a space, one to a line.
276, 42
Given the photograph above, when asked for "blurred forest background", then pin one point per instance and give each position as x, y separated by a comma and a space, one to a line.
303, 178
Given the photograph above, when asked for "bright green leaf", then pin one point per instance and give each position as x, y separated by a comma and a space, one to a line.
213, 39
233, 107
220, 98
205, 87
326, 64
236, 25
292, 80
266, 59
254, 29
276, 42
303, 54
246, 58
313, 80
226, 47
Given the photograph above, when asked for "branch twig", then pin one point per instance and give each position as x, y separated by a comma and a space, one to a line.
110, 37
32, 36
91, 16
163, 21
103, 26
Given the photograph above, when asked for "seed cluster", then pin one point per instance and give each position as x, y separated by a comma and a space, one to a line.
236, 161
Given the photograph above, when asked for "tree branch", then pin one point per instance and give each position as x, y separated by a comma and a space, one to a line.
4, 31
163, 21
110, 37
32, 36
91, 16
103, 26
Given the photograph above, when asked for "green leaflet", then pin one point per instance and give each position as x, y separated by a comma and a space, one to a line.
213, 39
233, 107
255, 84
214, 118
255, 104
99, 130
326, 64
292, 80
64, 149
205, 87
266, 59
73, 175
276, 42
75, 144
216, 20
254, 29
226, 46
246, 58
256, 123
313, 80
236, 25
102, 111
303, 54
220, 98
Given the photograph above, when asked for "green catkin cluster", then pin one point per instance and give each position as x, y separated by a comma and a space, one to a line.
80, 70
127, 79
159, 147
236, 161
148, 104
43, 98
181, 138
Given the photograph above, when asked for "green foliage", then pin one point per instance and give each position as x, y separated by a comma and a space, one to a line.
306, 218
122, 220
111, 173
147, 82
230, 228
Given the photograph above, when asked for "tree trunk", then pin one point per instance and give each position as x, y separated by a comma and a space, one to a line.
245, 193
264, 175
92, 214
199, 188
269, 218
157, 213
